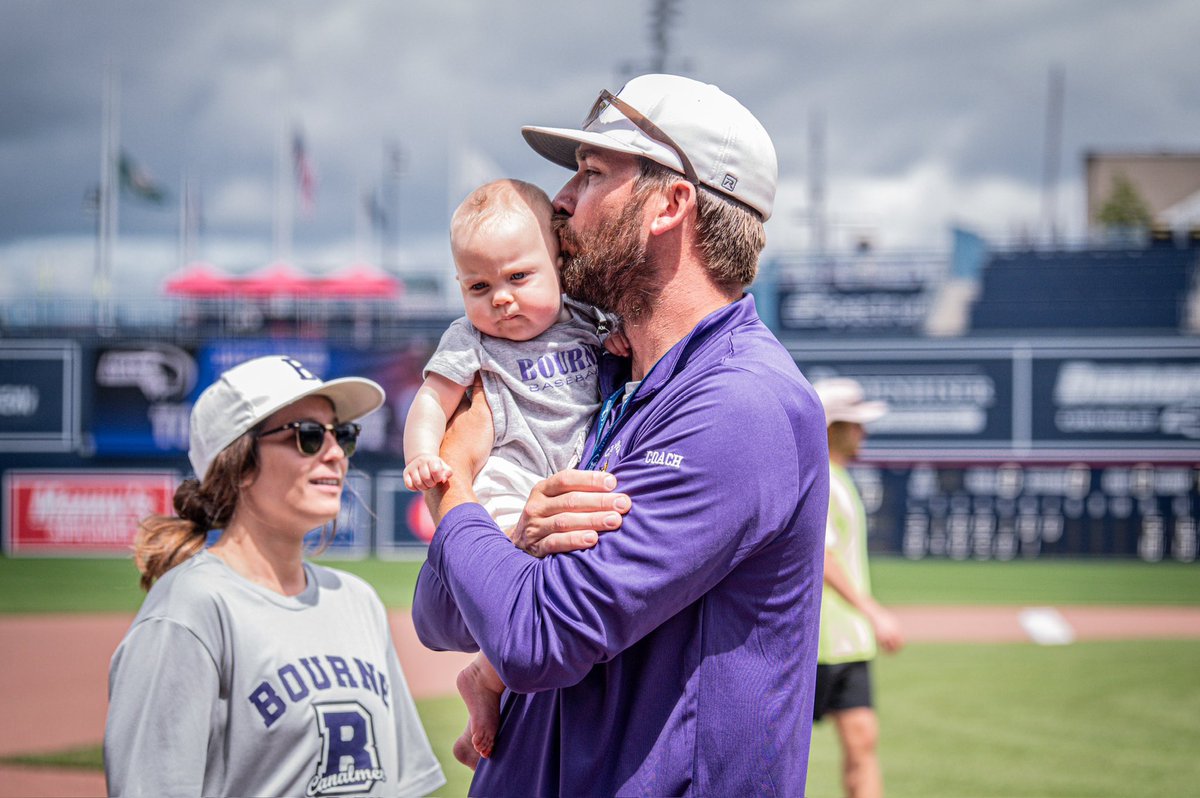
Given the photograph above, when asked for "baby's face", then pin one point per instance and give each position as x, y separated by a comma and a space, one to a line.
509, 280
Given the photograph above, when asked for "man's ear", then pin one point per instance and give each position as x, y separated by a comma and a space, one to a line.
678, 201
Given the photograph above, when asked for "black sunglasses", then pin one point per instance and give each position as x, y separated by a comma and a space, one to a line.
310, 435
643, 124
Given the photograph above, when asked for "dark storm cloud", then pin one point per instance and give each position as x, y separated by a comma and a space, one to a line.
213, 89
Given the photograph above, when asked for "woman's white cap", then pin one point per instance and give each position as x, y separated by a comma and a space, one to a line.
248, 393
728, 147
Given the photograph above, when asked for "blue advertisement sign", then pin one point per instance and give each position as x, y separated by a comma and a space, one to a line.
141, 398
142, 393
397, 371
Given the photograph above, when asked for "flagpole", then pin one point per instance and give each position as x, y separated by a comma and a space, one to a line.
108, 199
363, 222
1053, 145
102, 199
283, 187
285, 180
114, 178
396, 171
183, 208
189, 232
816, 183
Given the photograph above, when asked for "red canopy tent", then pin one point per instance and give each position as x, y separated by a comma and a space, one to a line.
360, 281
277, 279
201, 280
357, 281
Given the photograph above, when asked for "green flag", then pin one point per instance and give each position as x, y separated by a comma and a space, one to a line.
139, 182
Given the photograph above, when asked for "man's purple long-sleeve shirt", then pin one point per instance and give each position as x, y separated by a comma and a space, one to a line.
677, 656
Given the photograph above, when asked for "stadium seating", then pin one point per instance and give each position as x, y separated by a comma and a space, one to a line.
1141, 290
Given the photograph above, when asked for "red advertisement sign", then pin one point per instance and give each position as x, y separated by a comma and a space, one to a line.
81, 512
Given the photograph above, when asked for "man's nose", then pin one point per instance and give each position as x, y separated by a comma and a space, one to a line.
564, 201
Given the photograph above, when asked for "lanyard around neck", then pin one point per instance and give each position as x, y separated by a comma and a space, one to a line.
604, 429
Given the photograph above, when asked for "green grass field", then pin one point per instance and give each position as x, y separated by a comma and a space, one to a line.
1091, 720
50, 584
73, 585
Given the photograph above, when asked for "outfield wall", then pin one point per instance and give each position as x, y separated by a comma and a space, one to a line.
994, 449
1025, 448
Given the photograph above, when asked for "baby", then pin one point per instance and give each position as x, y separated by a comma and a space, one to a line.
536, 352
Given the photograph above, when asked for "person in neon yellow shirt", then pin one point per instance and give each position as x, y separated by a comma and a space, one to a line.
853, 625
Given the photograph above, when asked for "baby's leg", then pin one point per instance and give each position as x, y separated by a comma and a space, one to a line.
480, 688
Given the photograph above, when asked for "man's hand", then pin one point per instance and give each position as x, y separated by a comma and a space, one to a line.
886, 626
470, 434
888, 633
567, 511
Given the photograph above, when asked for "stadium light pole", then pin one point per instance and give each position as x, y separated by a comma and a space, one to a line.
1053, 144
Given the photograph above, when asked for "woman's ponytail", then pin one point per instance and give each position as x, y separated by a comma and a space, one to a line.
164, 541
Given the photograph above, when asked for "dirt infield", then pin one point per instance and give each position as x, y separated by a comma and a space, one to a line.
55, 667
1003, 624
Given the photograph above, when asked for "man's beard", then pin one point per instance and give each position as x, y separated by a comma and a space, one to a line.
608, 268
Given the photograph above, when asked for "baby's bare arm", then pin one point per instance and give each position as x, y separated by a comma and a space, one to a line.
424, 429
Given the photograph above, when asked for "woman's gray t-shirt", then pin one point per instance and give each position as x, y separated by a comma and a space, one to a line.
223, 687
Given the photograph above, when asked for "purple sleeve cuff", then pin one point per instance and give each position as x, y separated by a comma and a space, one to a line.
439, 623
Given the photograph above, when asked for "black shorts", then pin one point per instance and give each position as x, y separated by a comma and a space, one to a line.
846, 685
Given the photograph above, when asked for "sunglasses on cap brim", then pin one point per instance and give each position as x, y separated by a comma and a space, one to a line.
642, 123
310, 435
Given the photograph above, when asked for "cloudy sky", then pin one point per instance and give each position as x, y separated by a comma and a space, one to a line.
933, 111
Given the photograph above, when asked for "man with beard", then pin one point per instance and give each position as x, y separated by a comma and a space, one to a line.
675, 654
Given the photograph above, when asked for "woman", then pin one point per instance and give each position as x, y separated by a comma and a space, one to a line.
249, 671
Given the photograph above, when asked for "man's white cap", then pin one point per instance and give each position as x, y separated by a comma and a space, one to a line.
843, 400
248, 393
728, 147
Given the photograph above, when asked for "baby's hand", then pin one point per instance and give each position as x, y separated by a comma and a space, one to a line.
617, 343
425, 471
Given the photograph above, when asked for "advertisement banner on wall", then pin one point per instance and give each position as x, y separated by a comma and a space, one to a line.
81, 512
1117, 401
398, 372
143, 393
863, 292
97, 512
806, 309
39, 396
1124, 400
948, 403
403, 526
141, 398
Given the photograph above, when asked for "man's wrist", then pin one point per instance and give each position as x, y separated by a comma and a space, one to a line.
445, 496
